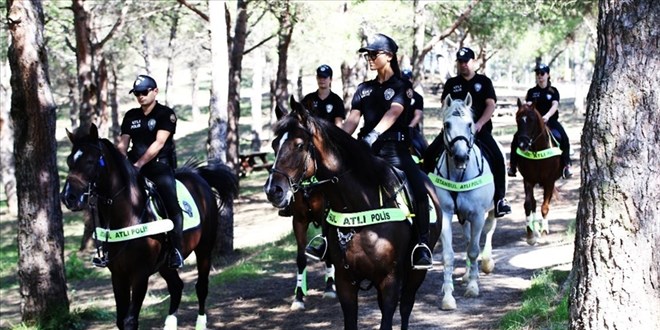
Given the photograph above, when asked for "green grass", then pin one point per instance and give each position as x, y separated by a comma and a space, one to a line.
544, 306
75, 320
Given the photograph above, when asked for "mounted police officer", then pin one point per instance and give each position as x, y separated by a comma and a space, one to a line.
324, 103
150, 128
483, 95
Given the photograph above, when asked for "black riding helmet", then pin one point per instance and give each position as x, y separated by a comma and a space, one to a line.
380, 42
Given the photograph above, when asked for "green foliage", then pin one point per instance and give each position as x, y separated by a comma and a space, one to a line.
71, 321
77, 269
540, 307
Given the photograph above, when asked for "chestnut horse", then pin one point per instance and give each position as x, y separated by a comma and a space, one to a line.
539, 164
102, 179
369, 237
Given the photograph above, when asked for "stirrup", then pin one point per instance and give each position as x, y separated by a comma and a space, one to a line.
100, 262
309, 249
412, 256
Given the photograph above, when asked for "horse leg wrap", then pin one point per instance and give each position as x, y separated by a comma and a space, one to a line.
330, 273
301, 282
170, 322
201, 322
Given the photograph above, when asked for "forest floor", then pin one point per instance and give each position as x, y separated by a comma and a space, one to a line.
264, 302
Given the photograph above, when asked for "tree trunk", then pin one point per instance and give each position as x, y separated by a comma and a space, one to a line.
40, 228
419, 27
235, 70
284, 34
86, 82
7, 178
218, 113
617, 241
256, 97
170, 57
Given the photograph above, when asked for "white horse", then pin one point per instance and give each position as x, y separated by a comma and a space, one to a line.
465, 186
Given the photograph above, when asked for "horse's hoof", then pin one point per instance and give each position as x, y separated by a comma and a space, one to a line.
170, 323
297, 306
330, 294
545, 232
472, 290
448, 303
487, 265
201, 322
531, 236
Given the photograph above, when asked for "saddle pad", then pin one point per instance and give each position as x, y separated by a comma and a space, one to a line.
189, 209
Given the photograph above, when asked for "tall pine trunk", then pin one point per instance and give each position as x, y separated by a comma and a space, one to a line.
617, 241
40, 229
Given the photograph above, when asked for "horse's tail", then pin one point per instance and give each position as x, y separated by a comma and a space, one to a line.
223, 179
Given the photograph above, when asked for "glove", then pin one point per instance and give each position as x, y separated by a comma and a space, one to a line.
370, 138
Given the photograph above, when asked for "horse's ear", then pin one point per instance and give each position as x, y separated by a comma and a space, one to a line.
298, 109
519, 103
468, 100
69, 134
94, 132
279, 113
447, 101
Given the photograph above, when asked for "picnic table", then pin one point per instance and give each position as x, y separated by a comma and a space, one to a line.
253, 161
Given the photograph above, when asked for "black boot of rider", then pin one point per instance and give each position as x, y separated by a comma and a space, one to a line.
175, 260
422, 257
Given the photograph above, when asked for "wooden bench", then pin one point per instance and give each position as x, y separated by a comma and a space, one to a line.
254, 161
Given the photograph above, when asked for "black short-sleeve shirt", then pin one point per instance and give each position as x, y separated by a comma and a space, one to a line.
329, 108
480, 87
374, 99
143, 129
543, 98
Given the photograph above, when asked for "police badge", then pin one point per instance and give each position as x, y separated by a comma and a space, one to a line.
173, 118
389, 93
477, 87
328, 108
151, 124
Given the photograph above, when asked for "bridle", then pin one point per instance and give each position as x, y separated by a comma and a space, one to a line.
525, 138
91, 194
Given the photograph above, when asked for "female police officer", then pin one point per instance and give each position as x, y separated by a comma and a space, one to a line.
151, 128
385, 103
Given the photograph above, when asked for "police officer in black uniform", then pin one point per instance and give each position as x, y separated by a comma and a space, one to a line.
324, 103
546, 100
385, 103
417, 136
151, 129
483, 106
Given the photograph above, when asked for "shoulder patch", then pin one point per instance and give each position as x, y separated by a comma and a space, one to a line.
173, 118
409, 93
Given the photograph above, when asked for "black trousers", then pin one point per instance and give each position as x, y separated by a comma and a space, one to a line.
564, 145
491, 151
162, 175
398, 154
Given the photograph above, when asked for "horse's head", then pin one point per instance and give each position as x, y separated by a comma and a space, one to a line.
294, 154
529, 125
458, 129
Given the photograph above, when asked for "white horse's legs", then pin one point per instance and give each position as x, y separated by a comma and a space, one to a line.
448, 301
533, 229
301, 282
487, 261
472, 254
170, 322
467, 233
545, 227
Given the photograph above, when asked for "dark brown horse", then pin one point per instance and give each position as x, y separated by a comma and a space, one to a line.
365, 243
101, 178
308, 207
539, 164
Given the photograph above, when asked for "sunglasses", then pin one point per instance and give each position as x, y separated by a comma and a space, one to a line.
372, 55
142, 93
540, 73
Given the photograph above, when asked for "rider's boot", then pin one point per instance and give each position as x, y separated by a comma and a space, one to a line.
175, 260
421, 256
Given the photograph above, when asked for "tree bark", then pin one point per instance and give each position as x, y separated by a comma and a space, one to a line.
284, 15
617, 242
40, 228
235, 70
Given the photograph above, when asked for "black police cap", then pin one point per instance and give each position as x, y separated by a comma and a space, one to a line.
324, 71
542, 68
143, 83
380, 42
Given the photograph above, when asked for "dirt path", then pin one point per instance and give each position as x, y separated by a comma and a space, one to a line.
264, 303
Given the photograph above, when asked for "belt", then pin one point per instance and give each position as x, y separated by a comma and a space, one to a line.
393, 136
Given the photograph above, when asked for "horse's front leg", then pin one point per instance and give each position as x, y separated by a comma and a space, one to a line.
300, 226
175, 289
138, 291
487, 261
388, 298
533, 230
467, 234
347, 294
448, 301
330, 290
122, 291
477, 221
545, 207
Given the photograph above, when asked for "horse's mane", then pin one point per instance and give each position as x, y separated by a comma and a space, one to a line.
127, 170
457, 108
355, 154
